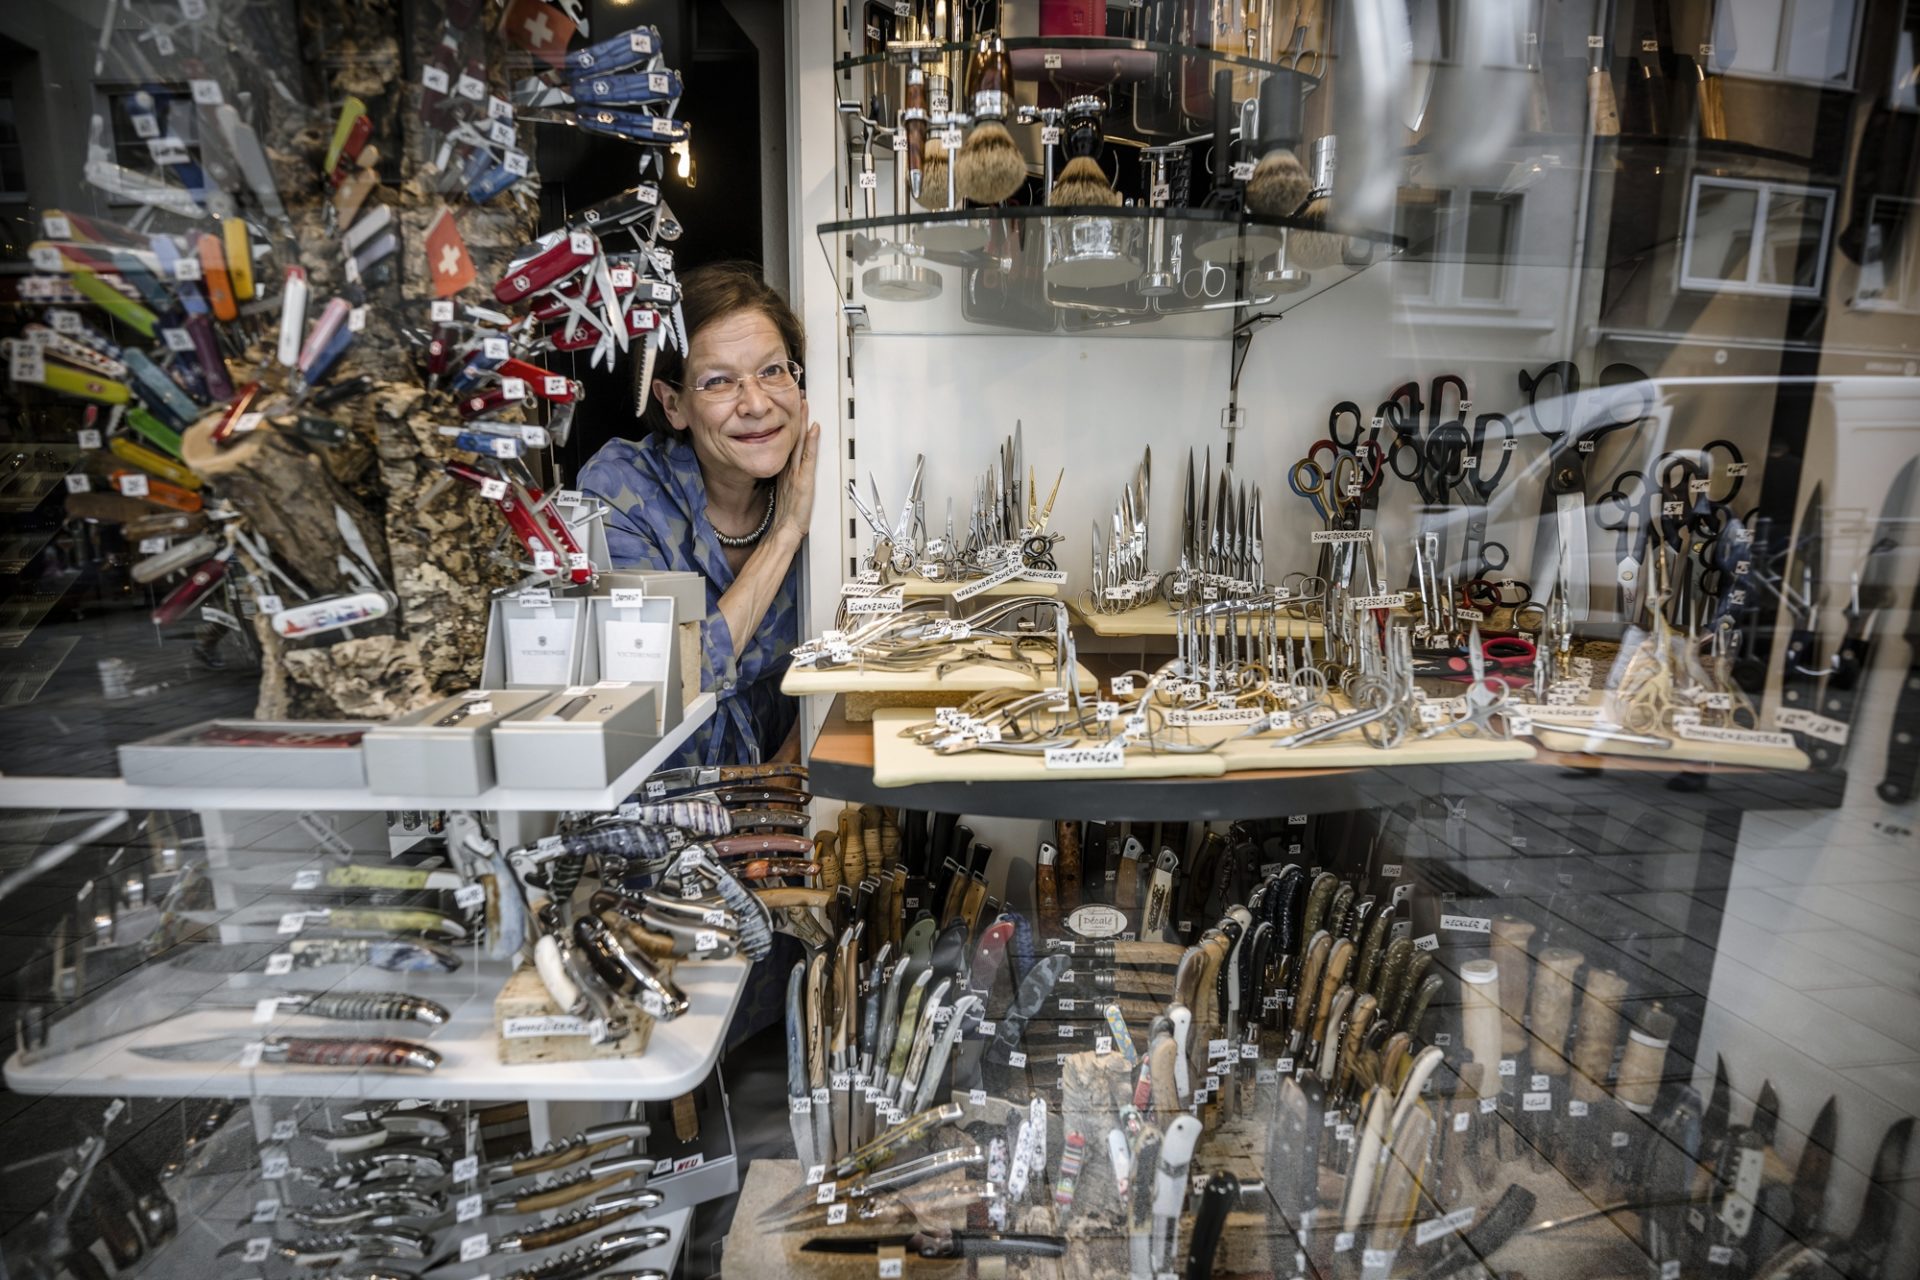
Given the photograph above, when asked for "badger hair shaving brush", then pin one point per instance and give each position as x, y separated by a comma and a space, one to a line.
989, 168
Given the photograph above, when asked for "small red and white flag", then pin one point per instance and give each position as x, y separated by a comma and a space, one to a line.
539, 28
447, 259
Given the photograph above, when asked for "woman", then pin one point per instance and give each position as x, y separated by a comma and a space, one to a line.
723, 487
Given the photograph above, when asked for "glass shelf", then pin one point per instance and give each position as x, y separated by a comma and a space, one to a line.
1078, 59
1163, 273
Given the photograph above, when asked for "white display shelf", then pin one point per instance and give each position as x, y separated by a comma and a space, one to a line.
679, 1055
50, 792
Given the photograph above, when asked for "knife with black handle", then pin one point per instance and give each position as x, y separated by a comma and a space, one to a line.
1217, 1199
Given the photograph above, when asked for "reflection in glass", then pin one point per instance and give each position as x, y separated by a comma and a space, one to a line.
1722, 239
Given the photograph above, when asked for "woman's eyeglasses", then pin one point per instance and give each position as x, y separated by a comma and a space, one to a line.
723, 388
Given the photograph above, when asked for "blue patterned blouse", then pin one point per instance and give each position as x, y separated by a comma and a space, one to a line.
659, 521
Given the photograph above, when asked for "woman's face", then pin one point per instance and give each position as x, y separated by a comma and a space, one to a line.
751, 434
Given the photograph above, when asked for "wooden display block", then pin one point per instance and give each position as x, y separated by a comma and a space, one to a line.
523, 1006
1570, 738
867, 691
900, 762
1155, 618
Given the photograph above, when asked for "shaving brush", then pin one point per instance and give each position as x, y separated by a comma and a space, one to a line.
989, 168
1279, 185
1083, 181
933, 175
1317, 248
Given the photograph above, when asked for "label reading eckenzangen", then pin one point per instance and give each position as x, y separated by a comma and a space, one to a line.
542, 1025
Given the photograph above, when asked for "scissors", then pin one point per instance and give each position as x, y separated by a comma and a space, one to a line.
1412, 460
1501, 653
1626, 511
1334, 481
1562, 538
1296, 56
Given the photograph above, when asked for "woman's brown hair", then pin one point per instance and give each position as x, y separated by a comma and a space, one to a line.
714, 292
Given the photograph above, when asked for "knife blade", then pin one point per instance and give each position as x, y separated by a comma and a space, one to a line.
947, 1243
1873, 1233
799, 1094
1872, 592
1810, 1176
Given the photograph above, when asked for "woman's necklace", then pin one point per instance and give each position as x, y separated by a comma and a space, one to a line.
766, 523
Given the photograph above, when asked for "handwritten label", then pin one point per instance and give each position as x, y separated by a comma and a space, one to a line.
1466, 924
1322, 536
1111, 755
542, 1025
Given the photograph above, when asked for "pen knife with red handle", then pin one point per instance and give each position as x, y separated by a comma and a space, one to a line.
199, 584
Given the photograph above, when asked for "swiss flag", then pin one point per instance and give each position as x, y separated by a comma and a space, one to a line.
539, 29
447, 260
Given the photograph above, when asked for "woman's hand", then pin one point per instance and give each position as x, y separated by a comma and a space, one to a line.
794, 489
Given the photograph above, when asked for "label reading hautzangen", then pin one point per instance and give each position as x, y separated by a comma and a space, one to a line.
1112, 755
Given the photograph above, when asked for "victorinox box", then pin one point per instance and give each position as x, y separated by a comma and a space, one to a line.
621, 638
583, 736
250, 753
533, 642
445, 749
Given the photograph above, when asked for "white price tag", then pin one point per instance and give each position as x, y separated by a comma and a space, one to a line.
435, 79
469, 1208
177, 339
1016, 1059
836, 1214
273, 1164
1461, 1121
824, 1194
133, 486
890, 1268
1509, 1067
257, 1249
475, 1246
78, 482
470, 895
264, 1010
266, 1210
1489, 1105
442, 311
1540, 1083
1536, 1102
1576, 1108
284, 1129
279, 964
186, 269
293, 922
493, 489
466, 1168
56, 227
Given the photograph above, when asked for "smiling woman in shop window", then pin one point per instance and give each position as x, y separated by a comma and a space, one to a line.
723, 487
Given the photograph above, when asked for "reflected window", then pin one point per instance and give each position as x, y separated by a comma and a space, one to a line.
1461, 246
153, 127
1756, 237
1890, 260
1810, 41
